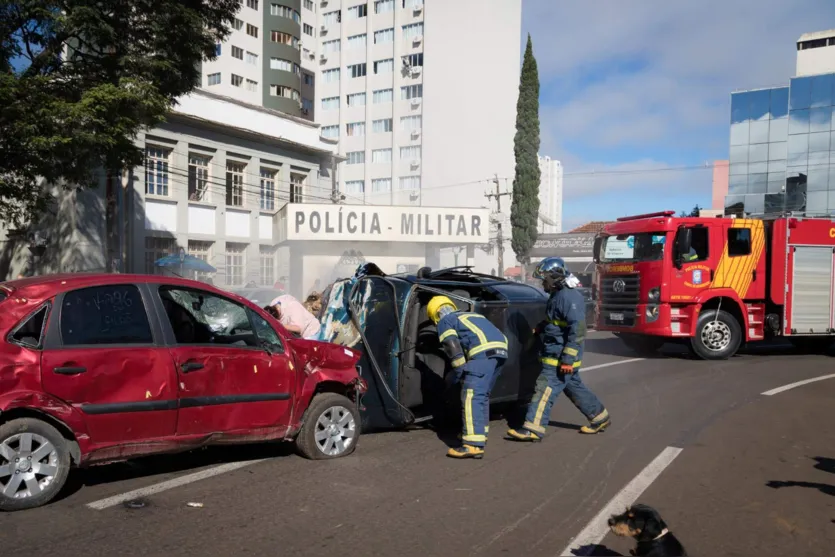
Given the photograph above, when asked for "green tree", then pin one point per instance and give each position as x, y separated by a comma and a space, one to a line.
693, 213
80, 78
524, 210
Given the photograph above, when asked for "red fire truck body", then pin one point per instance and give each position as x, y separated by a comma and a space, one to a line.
715, 283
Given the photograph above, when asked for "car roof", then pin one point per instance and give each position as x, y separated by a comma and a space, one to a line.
462, 276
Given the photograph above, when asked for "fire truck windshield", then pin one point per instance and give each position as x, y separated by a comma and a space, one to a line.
644, 246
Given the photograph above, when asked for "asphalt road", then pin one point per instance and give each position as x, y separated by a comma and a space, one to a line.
754, 474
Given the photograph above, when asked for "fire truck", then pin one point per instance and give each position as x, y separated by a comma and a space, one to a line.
715, 284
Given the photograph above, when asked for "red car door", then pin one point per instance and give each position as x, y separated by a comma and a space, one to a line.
231, 378
104, 356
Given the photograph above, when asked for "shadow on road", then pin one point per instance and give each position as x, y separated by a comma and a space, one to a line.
171, 463
823, 488
594, 550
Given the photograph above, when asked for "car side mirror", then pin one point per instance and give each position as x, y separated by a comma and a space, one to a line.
684, 241
598, 242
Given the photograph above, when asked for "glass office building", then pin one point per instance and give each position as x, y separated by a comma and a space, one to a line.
782, 149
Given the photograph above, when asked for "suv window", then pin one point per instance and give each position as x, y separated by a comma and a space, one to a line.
198, 317
739, 241
104, 315
30, 332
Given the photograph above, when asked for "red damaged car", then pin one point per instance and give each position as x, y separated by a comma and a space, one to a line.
101, 368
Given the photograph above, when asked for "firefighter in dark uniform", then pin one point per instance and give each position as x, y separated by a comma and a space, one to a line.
476, 350
562, 336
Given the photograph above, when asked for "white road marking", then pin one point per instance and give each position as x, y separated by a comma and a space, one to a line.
598, 527
170, 484
617, 363
790, 386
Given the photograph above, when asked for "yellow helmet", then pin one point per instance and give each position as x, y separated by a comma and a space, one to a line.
433, 310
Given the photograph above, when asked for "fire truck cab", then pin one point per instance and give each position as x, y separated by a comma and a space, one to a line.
715, 283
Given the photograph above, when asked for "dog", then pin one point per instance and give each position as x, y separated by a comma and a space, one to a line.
643, 523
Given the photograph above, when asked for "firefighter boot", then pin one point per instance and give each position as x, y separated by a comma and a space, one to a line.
523, 435
466, 451
598, 424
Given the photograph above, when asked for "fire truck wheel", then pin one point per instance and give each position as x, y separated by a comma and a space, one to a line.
718, 335
642, 345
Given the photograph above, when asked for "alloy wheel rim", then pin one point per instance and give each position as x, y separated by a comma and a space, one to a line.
28, 465
335, 431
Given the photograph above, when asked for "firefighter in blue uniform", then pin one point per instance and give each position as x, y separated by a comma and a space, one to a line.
476, 350
562, 337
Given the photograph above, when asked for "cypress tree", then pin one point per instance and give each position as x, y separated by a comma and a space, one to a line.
524, 210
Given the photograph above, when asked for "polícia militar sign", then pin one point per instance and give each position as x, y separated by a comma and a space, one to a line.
386, 224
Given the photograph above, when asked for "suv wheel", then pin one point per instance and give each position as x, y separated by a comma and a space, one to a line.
331, 428
34, 464
718, 335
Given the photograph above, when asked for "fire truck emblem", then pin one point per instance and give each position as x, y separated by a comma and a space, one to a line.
619, 286
697, 276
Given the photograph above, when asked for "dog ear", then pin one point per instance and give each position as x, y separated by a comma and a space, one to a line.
653, 526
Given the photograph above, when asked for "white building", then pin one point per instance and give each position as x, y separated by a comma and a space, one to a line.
421, 95
550, 196
816, 53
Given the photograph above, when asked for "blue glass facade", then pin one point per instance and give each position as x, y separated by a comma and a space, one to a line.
782, 149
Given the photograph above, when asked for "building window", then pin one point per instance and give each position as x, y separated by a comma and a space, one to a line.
411, 92
235, 183
267, 265
381, 156
410, 183
355, 187
330, 76
284, 38
237, 52
381, 185
413, 60
383, 96
157, 248
297, 188
235, 258
267, 193
410, 123
308, 79
307, 105
280, 64
251, 86
284, 11
251, 58
355, 129
332, 46
218, 49
308, 5
156, 170
213, 78
237, 24
251, 30
355, 157
356, 99
198, 177
381, 126
285, 92
252, 4
412, 4
412, 30
331, 18
203, 252
411, 153
307, 29
383, 6
384, 66
331, 132
357, 41
237, 80
357, 70
331, 103
384, 36
356, 12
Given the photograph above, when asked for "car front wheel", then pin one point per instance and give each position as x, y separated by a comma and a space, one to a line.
34, 464
331, 428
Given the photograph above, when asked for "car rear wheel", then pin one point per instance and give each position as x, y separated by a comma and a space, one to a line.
331, 428
718, 335
34, 464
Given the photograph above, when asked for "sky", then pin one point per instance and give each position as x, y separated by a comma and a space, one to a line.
630, 85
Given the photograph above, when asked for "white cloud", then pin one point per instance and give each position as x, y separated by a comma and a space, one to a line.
649, 75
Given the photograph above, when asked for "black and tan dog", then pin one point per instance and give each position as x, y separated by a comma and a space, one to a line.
643, 523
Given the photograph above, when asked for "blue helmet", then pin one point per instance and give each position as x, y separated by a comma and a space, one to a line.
551, 267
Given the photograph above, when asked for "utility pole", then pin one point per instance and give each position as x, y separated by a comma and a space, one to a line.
498, 221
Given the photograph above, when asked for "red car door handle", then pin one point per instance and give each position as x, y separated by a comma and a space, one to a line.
69, 370
191, 366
